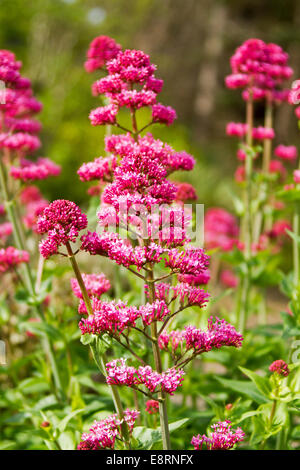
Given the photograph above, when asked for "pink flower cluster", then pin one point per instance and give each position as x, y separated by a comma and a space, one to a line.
186, 293
218, 334
260, 67
190, 261
114, 317
96, 285
5, 230
186, 192
152, 407
222, 437
280, 367
121, 374
286, 152
100, 169
11, 257
39, 170
34, 204
62, 220
221, 229
111, 245
201, 279
101, 50
127, 69
103, 434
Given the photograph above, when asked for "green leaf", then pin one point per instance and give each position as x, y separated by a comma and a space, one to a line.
246, 388
177, 424
87, 338
147, 437
63, 423
262, 383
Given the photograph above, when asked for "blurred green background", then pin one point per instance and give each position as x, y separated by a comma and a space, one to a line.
191, 42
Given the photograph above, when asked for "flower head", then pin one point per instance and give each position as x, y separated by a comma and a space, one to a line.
62, 220
222, 437
11, 257
152, 407
280, 367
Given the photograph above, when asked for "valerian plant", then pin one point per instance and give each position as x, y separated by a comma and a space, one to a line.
160, 332
140, 200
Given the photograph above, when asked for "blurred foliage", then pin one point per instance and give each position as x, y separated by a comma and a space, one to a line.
51, 38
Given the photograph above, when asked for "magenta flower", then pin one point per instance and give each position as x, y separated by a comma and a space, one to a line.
121, 374
163, 114
62, 220
152, 407
102, 434
191, 261
218, 334
5, 230
101, 50
100, 169
30, 171
222, 437
96, 285
286, 152
280, 367
104, 115
11, 257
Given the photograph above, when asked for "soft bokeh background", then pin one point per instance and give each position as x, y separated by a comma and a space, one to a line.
191, 41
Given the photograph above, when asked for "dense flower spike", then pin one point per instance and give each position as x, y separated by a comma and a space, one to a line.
103, 434
260, 67
280, 367
62, 220
222, 437
10, 257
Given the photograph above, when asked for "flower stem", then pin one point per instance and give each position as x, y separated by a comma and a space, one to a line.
246, 284
100, 359
163, 413
10, 206
296, 219
263, 192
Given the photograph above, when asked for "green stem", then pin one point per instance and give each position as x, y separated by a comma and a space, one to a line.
246, 282
163, 412
10, 206
296, 219
270, 421
100, 359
